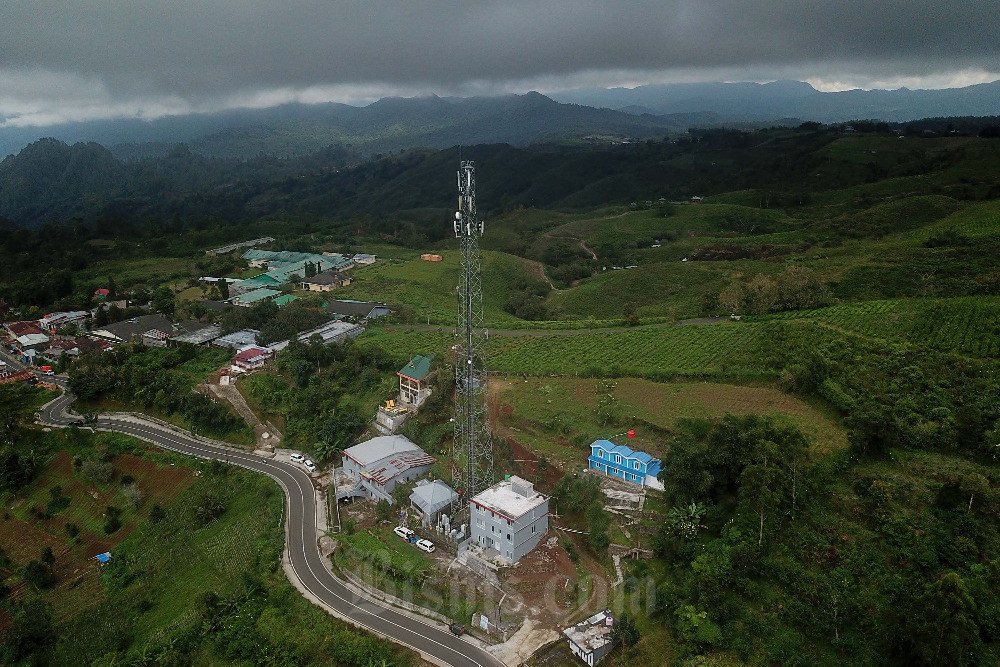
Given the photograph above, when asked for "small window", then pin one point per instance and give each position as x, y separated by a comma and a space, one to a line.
508, 537
532, 529
618, 459
636, 465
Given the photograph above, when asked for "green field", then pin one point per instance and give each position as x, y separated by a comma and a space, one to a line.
556, 411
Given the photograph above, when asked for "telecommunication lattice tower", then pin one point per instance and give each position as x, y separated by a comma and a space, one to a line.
473, 446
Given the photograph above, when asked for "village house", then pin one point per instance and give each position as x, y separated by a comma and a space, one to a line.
379, 464
251, 358
326, 281
632, 466
590, 640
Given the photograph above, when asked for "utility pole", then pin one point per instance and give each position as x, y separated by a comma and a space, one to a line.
473, 470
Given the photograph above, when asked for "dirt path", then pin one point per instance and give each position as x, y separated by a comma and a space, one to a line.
232, 394
540, 268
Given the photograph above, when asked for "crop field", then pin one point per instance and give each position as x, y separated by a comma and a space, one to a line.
656, 352
35, 521
967, 325
564, 407
174, 560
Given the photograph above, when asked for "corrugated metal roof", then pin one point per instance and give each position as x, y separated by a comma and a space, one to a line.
418, 368
624, 451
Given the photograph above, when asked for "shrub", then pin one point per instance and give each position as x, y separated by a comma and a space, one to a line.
133, 496
157, 513
96, 472
72, 529
208, 508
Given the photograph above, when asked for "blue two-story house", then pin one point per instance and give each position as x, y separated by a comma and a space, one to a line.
632, 466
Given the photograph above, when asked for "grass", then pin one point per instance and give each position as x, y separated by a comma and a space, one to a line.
429, 287
562, 409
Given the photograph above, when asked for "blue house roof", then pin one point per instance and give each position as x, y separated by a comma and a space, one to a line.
624, 451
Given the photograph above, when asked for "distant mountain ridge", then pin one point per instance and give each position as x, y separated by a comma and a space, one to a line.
387, 125
749, 101
396, 123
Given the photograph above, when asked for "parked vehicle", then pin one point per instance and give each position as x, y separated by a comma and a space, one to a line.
457, 629
425, 545
403, 532
310, 466
297, 458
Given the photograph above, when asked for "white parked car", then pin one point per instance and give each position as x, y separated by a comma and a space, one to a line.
425, 545
403, 532
310, 466
297, 458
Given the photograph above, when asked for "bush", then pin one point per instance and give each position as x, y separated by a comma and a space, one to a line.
113, 523
133, 496
208, 508
72, 529
39, 574
157, 513
96, 472
47, 556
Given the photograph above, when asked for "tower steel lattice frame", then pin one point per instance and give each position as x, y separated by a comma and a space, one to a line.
473, 470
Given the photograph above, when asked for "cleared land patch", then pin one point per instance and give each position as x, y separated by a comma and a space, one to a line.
551, 414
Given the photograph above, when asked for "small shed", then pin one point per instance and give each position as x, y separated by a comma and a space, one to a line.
432, 497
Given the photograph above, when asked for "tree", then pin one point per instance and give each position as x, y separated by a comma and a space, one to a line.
597, 526
760, 490
224, 289
47, 557
30, 632
871, 429
974, 485
624, 633
38, 574
383, 511
942, 631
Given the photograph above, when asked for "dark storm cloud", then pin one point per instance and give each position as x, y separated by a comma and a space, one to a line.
200, 50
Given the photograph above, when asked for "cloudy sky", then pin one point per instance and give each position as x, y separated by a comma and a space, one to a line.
84, 59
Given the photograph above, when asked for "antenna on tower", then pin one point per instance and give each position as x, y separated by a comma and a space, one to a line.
473, 446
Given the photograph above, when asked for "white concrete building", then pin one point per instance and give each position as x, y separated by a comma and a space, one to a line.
510, 517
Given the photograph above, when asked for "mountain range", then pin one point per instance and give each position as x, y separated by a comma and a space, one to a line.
393, 124
791, 99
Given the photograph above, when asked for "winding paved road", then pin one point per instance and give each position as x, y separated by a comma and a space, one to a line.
434, 642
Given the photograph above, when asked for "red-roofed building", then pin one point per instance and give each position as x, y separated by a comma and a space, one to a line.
25, 328
251, 358
102, 293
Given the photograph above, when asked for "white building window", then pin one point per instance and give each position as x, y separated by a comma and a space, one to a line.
618, 459
636, 465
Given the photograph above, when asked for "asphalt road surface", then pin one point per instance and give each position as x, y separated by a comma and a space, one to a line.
301, 536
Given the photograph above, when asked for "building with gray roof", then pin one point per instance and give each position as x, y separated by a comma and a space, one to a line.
590, 640
381, 463
237, 340
128, 330
432, 497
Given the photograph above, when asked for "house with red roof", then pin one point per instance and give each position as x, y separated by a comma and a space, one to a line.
102, 293
251, 358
